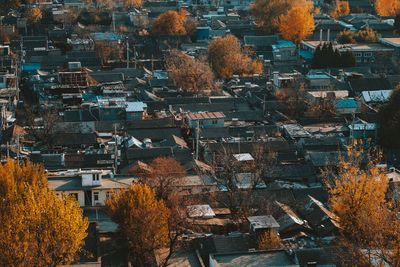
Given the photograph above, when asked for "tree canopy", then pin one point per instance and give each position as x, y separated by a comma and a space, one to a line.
366, 35
327, 57
190, 74
340, 8
228, 58
357, 195
37, 227
170, 22
387, 7
143, 221
389, 121
297, 24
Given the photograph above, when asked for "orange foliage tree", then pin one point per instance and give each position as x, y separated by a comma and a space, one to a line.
357, 194
297, 24
341, 8
37, 227
387, 7
227, 58
131, 3
162, 174
170, 22
268, 240
143, 221
190, 74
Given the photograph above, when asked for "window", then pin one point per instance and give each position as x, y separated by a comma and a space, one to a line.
108, 195
74, 195
368, 54
215, 122
358, 54
96, 196
96, 177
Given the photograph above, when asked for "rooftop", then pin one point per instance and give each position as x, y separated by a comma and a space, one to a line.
205, 115
263, 222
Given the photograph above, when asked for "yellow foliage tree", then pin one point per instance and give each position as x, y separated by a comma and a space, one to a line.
268, 240
265, 12
37, 227
170, 22
131, 3
357, 195
341, 8
387, 7
227, 58
33, 15
142, 219
297, 25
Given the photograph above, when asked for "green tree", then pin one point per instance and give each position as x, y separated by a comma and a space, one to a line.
389, 121
327, 57
37, 227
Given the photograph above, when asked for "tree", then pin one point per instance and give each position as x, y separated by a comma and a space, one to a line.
387, 7
190, 74
268, 240
297, 25
170, 22
265, 12
37, 227
131, 3
346, 37
341, 8
8, 5
396, 24
357, 195
33, 15
389, 121
142, 220
105, 51
227, 58
163, 175
366, 36
327, 57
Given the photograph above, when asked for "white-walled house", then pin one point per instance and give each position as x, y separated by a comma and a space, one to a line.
90, 188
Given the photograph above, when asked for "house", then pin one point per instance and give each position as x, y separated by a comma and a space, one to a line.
261, 224
289, 222
357, 86
89, 187
206, 119
374, 97
346, 106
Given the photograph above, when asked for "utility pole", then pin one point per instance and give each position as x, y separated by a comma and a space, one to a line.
115, 149
197, 139
127, 52
18, 148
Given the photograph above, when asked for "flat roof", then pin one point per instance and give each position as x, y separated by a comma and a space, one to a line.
253, 259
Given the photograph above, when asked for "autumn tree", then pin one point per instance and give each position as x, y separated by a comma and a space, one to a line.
346, 37
33, 15
8, 5
162, 174
190, 74
268, 240
38, 228
387, 7
131, 3
170, 22
265, 12
105, 51
340, 8
228, 58
142, 220
297, 24
366, 35
357, 195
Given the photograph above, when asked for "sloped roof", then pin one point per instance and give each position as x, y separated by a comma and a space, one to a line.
205, 115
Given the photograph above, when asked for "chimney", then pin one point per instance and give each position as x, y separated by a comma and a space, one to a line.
329, 31
320, 36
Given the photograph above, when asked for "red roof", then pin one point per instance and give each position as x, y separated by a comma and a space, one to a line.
205, 115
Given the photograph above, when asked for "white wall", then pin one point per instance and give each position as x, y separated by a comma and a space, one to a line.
87, 179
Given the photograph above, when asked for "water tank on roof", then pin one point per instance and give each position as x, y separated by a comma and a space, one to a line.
74, 66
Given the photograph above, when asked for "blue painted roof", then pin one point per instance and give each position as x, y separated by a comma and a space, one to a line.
306, 54
31, 66
107, 36
283, 43
90, 97
317, 76
346, 103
